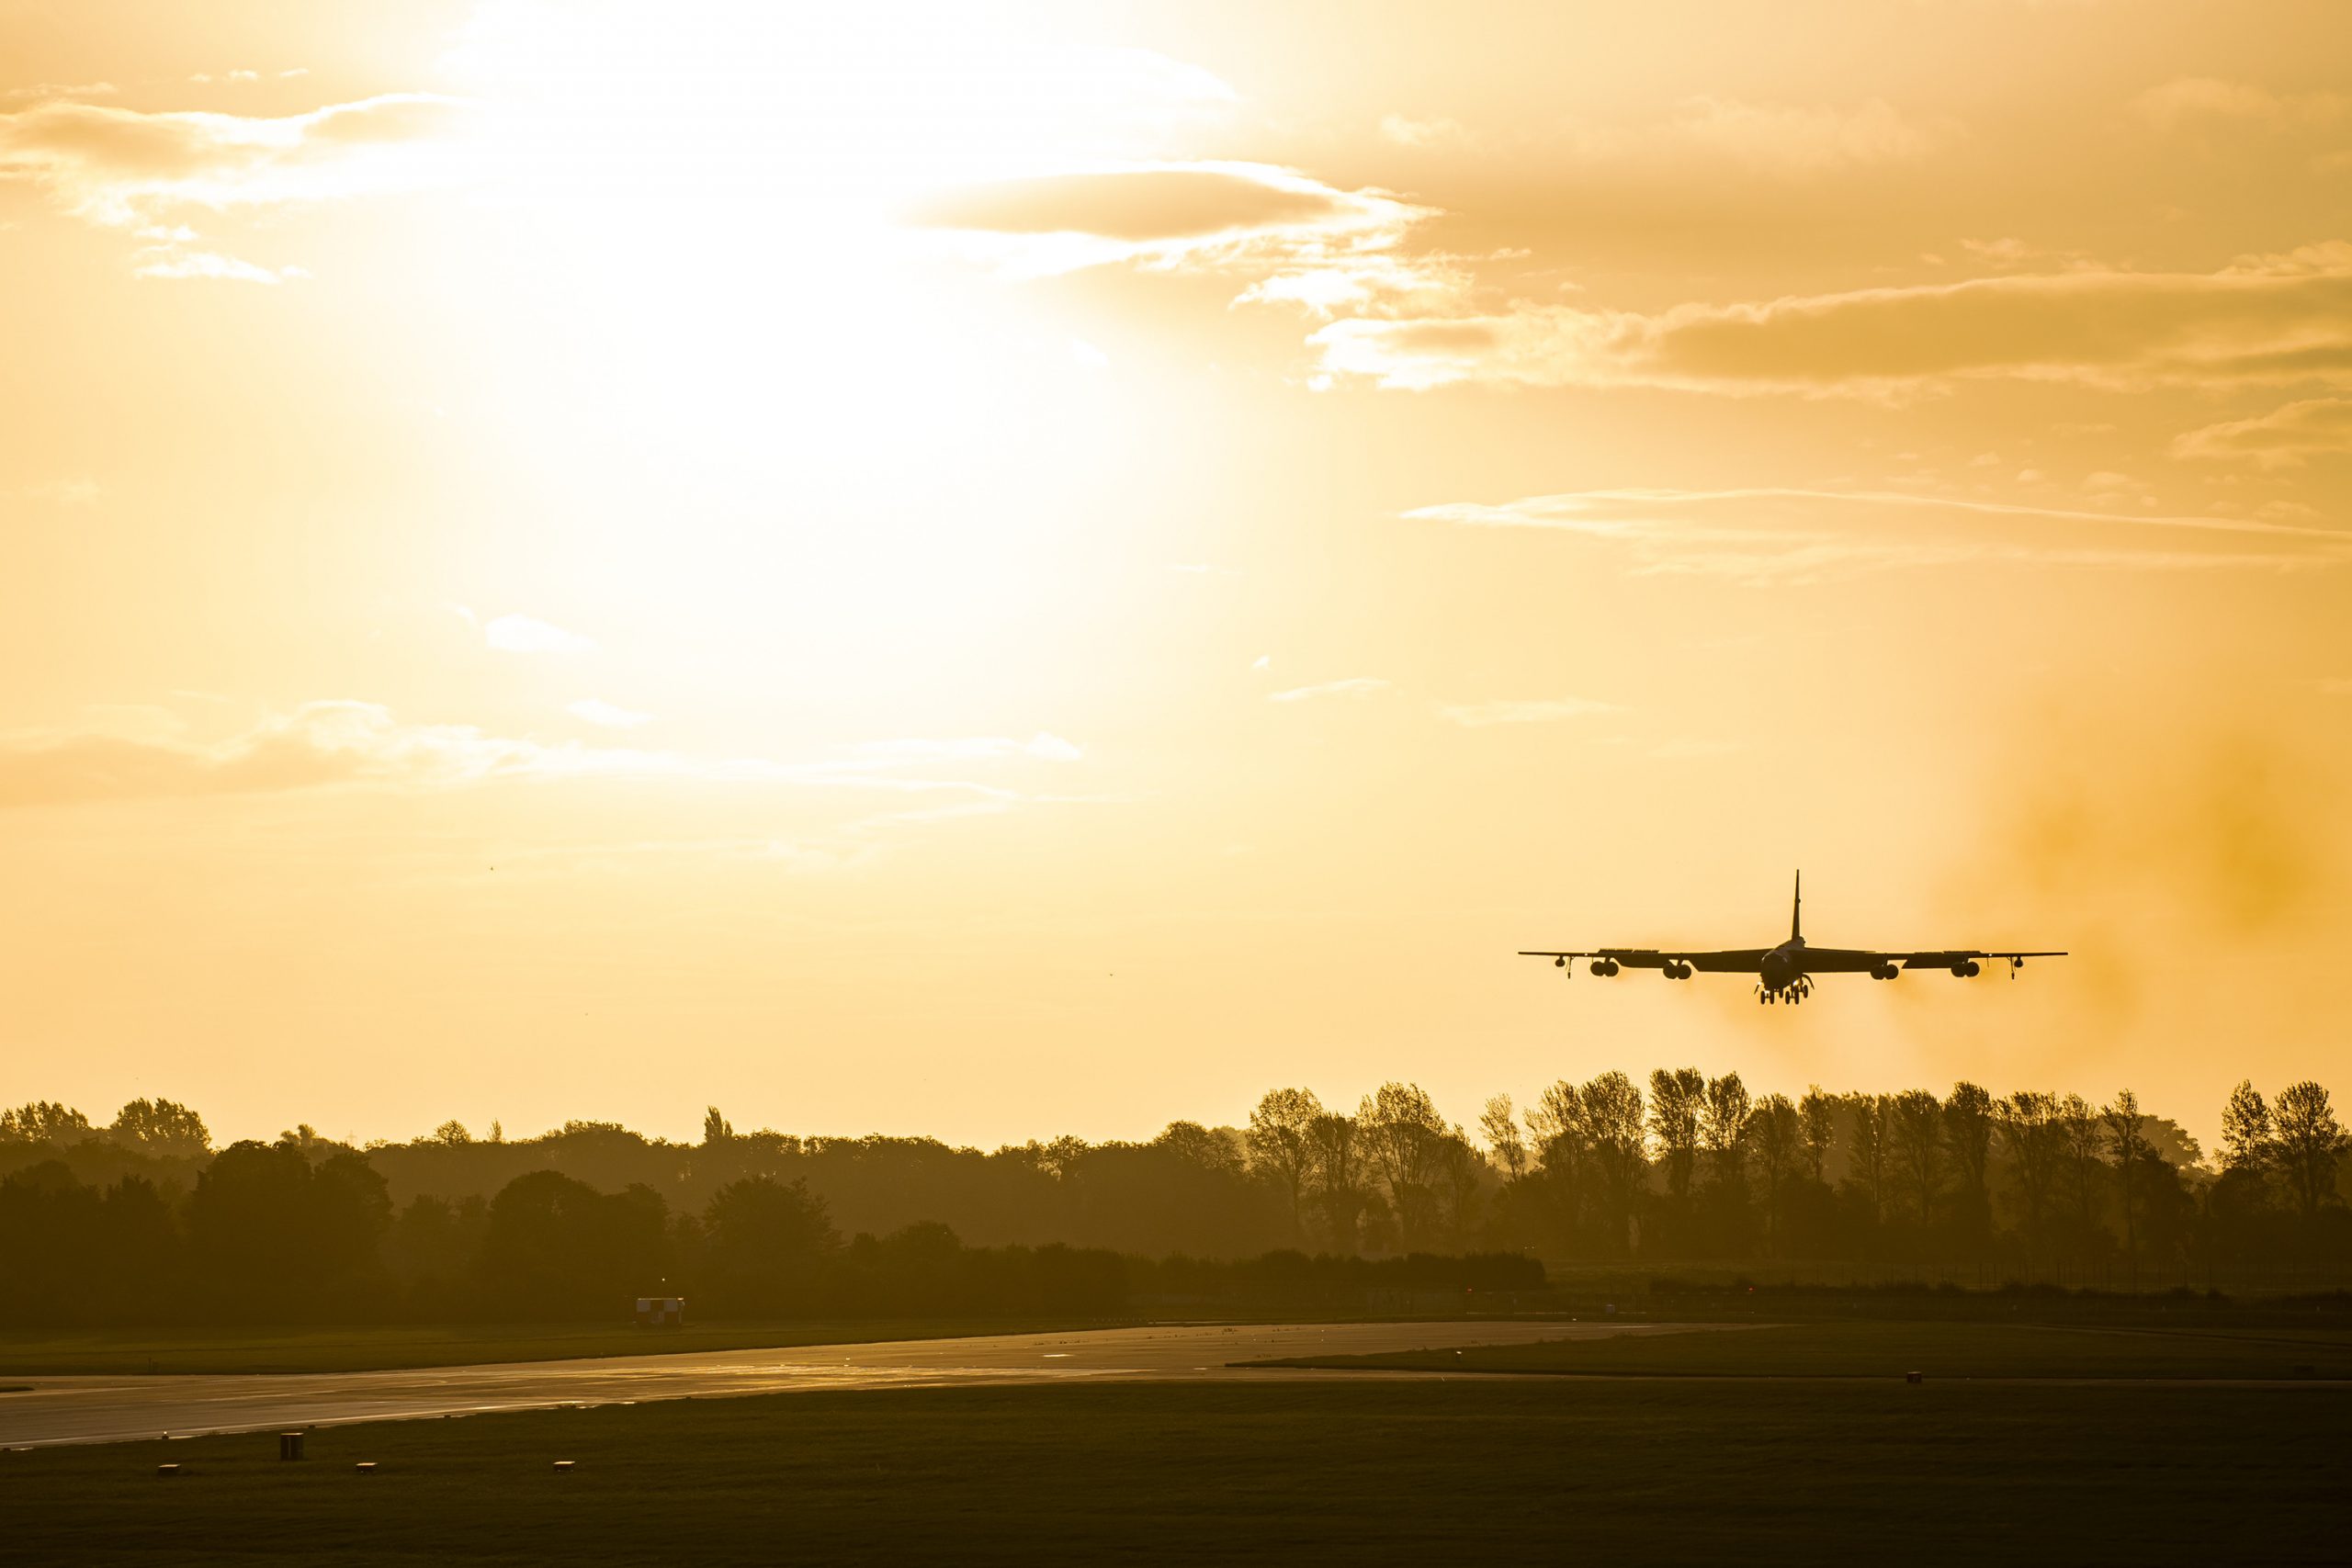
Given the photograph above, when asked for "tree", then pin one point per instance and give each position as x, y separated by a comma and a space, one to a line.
1873, 1122
558, 1247
2028, 1122
270, 1227
1918, 1147
45, 1122
2130, 1147
1818, 1119
1610, 1109
1722, 1127
764, 1238
1556, 1119
1337, 1169
716, 1130
1502, 1137
1776, 1143
1675, 1098
162, 1128
1402, 1131
2309, 1142
451, 1134
2248, 1138
1968, 1138
2081, 1166
1281, 1144
1459, 1168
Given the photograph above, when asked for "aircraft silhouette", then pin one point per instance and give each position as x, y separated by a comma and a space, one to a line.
1784, 973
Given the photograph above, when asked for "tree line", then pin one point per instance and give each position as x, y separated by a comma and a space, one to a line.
112, 1222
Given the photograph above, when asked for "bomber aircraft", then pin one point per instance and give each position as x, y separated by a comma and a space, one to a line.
1784, 973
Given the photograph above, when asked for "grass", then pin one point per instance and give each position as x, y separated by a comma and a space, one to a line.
372, 1347
1939, 1351
1451, 1469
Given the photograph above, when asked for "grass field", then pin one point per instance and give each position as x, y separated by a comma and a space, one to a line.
1891, 1349
359, 1348
1428, 1471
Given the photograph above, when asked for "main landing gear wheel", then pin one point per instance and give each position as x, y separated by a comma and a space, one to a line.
1794, 993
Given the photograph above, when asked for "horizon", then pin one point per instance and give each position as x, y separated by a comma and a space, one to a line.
1021, 568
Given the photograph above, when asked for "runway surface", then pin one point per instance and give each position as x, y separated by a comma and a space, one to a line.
98, 1409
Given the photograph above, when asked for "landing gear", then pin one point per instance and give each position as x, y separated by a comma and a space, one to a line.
1794, 993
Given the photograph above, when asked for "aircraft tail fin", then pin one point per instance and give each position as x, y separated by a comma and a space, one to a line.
1796, 912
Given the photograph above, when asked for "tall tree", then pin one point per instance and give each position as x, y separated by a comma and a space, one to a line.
1675, 1099
1459, 1170
1557, 1121
1500, 1125
2028, 1120
1612, 1111
2129, 1147
1968, 1139
1338, 1173
1723, 1128
1818, 1119
716, 1131
1281, 1144
2083, 1166
1402, 1131
1776, 1145
1918, 1147
1872, 1159
2248, 1138
45, 1122
2311, 1141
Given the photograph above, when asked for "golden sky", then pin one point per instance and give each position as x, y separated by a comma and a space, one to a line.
995, 571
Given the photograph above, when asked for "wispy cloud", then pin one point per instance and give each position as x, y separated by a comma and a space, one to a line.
1353, 686
1543, 710
526, 633
2266, 319
2192, 101
351, 743
1209, 215
127, 168
1780, 534
2283, 438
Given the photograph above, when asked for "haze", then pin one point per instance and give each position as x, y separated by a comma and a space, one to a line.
1004, 571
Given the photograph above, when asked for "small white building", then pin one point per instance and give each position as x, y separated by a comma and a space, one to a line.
660, 1312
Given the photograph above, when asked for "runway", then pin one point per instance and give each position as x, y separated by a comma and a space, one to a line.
99, 1409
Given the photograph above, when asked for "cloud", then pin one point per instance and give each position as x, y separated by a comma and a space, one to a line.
523, 634
2267, 319
1479, 715
169, 260
2283, 438
2192, 101
1353, 686
611, 716
347, 744
42, 92
123, 167
110, 165
1773, 534
1215, 215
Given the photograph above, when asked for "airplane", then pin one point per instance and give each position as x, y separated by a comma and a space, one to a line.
1784, 973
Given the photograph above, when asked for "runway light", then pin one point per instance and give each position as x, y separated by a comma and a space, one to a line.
167, 1470
564, 1467
366, 1467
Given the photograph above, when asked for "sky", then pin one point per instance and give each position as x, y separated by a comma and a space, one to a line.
1002, 571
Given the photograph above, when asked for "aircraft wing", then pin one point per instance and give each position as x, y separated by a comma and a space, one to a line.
1861, 961
1723, 961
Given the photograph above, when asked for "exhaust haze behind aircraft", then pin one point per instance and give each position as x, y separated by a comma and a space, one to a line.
1784, 973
